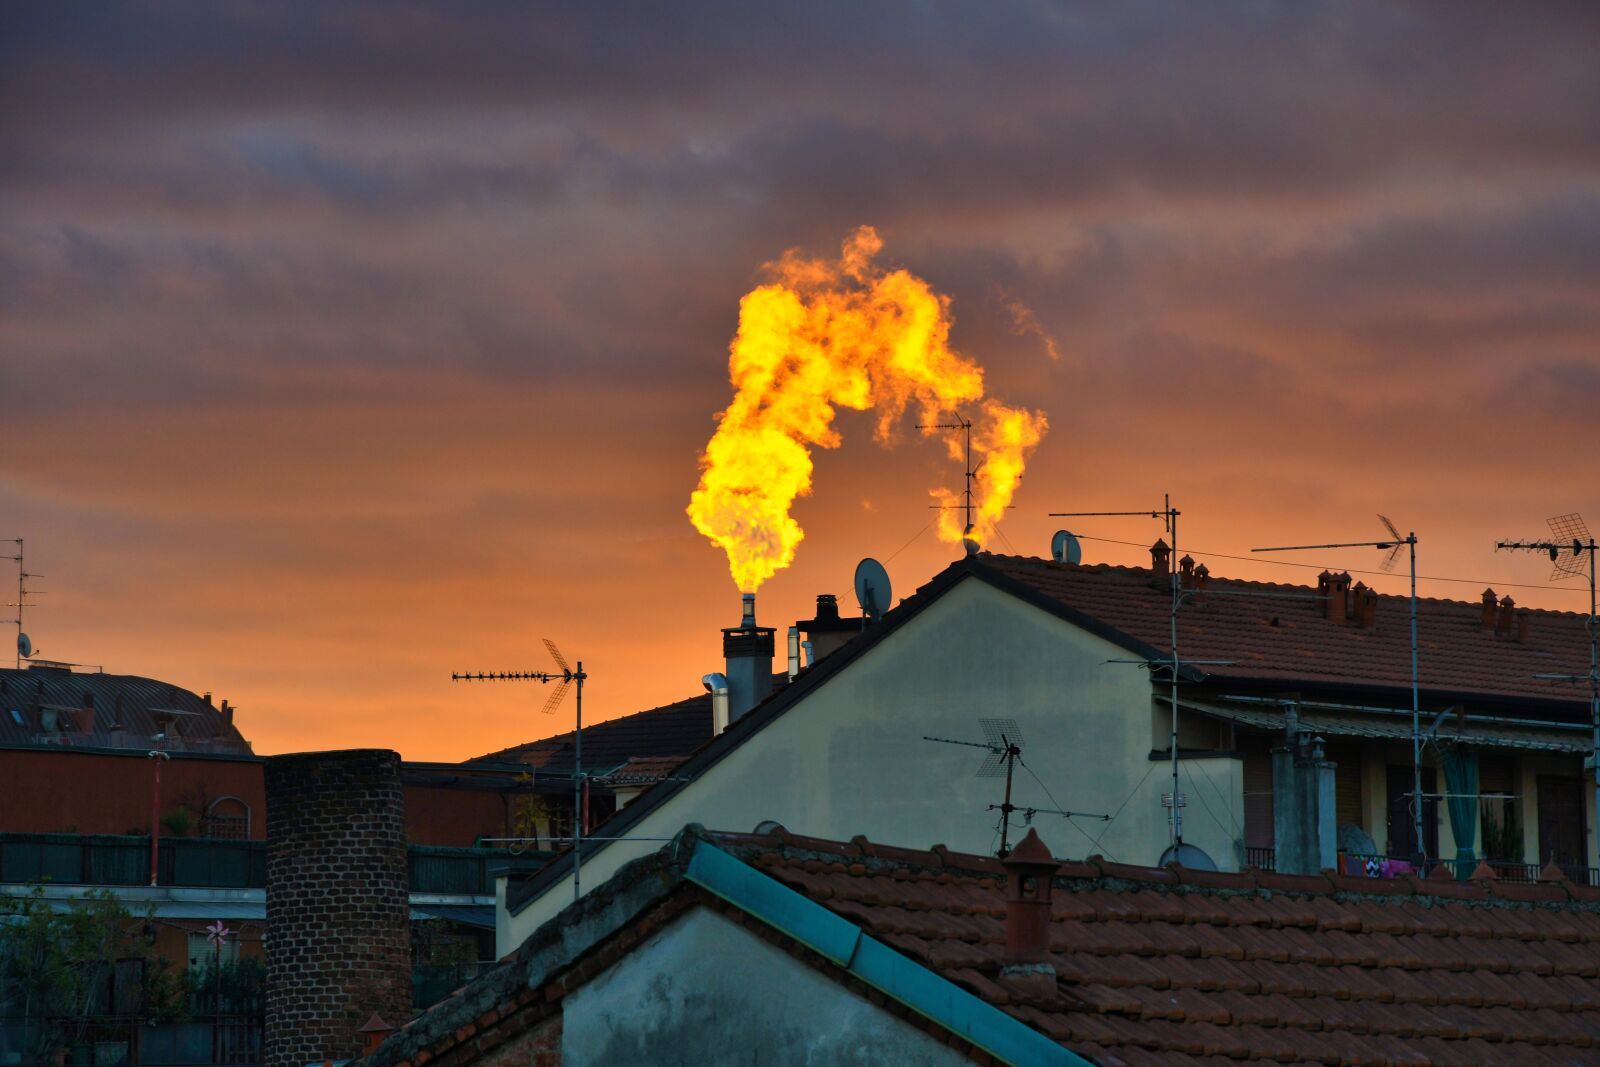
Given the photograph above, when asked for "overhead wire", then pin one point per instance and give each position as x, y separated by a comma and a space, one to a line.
1320, 566
1056, 802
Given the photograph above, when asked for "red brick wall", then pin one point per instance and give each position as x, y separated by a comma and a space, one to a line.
91, 793
539, 1046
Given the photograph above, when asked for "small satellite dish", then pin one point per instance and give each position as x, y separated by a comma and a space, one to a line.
872, 588
1064, 548
24, 646
1187, 856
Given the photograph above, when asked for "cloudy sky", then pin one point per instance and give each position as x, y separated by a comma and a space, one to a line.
345, 345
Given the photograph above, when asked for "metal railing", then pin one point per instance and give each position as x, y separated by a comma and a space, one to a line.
1265, 859
215, 863
199, 1041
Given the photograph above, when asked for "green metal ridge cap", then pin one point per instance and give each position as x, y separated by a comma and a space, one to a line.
928, 994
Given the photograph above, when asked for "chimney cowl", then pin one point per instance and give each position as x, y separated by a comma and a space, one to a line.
1030, 870
1502, 624
1366, 606
1160, 562
827, 607
1186, 571
1489, 601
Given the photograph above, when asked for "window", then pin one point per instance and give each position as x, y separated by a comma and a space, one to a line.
229, 818
202, 953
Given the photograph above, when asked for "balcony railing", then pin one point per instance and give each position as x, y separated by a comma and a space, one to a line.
113, 860
1506, 870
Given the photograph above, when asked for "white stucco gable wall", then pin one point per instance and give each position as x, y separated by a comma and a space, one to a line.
850, 757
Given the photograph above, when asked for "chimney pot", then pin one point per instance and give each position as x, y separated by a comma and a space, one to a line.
1522, 626
1160, 562
1366, 603
1030, 870
1489, 600
827, 607
1335, 593
227, 714
1502, 624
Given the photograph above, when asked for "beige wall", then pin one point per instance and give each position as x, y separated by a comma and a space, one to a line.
850, 758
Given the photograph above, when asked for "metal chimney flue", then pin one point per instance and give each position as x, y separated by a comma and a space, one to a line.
747, 650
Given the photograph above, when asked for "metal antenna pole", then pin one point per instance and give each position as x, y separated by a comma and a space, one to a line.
21, 574
579, 809
1170, 515
1177, 599
1572, 535
1005, 807
566, 676
1416, 715
963, 424
1393, 545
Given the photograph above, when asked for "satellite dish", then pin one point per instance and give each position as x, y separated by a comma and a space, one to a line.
1064, 548
24, 646
1187, 856
872, 588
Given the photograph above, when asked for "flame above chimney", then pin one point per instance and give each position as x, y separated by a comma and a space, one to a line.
825, 334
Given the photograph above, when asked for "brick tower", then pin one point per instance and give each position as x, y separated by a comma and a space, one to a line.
338, 934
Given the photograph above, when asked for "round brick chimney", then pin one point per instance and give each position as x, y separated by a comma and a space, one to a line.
338, 939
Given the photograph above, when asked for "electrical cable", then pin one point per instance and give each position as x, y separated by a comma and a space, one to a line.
907, 545
1109, 822
1319, 566
1057, 803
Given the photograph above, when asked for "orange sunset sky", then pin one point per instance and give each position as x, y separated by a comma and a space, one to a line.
344, 346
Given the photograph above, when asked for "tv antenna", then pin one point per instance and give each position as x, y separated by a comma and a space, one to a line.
1393, 546
963, 424
564, 679
23, 593
1169, 517
1002, 739
1569, 541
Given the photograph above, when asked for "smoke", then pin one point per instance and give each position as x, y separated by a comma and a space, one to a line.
824, 334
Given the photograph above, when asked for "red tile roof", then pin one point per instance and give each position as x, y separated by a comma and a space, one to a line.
1169, 966
1278, 632
643, 770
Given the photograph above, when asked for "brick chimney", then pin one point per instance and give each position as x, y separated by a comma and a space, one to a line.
1502, 622
1522, 626
86, 716
227, 714
1029, 872
1333, 589
1202, 575
1487, 622
1186, 572
1366, 606
338, 911
1160, 563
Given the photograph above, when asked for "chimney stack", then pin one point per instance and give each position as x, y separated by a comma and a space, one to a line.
227, 714
86, 716
1333, 588
1502, 625
1160, 563
1522, 626
1489, 599
1186, 572
747, 650
1365, 606
827, 632
1029, 872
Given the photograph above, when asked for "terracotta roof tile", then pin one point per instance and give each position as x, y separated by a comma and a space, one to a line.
1161, 970
1456, 653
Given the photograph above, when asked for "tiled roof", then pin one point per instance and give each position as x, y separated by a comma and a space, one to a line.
125, 708
1167, 966
1277, 632
670, 730
644, 770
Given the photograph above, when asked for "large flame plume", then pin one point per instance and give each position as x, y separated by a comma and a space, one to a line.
825, 334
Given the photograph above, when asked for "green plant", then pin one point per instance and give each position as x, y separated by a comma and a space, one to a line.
178, 822
1502, 830
57, 967
237, 987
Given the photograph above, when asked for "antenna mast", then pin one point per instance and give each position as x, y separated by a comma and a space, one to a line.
1571, 535
963, 424
1393, 545
1169, 516
23, 574
566, 676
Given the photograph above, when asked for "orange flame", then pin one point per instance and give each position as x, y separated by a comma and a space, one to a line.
827, 334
